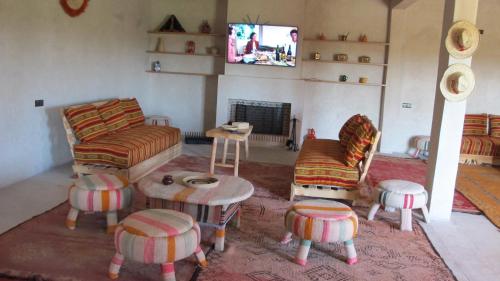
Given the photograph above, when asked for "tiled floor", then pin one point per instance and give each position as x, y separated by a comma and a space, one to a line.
469, 244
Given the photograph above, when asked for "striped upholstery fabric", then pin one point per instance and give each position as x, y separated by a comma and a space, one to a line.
158, 223
475, 125
113, 115
349, 128
127, 148
86, 122
321, 162
133, 112
480, 145
401, 194
322, 209
101, 182
323, 230
495, 126
359, 143
87, 199
201, 213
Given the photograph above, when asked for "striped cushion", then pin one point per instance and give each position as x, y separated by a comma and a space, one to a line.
359, 143
322, 230
349, 128
86, 122
133, 112
475, 125
323, 209
99, 201
320, 162
158, 223
401, 194
127, 148
157, 250
101, 182
495, 126
113, 115
480, 145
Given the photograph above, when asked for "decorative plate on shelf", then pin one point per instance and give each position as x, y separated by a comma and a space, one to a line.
200, 181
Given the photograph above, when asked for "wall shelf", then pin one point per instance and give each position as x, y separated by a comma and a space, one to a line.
344, 62
182, 73
339, 82
183, 54
348, 41
186, 33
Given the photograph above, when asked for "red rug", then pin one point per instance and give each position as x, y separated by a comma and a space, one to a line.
384, 168
43, 249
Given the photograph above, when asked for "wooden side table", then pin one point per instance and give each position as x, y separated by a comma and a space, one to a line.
238, 136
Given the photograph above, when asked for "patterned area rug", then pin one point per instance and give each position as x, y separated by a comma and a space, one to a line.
384, 168
43, 249
481, 184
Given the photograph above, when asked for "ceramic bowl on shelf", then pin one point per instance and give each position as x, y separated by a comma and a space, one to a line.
200, 181
340, 57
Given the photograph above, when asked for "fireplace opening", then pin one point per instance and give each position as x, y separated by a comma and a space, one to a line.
269, 118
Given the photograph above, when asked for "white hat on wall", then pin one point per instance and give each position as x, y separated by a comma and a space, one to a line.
458, 82
462, 40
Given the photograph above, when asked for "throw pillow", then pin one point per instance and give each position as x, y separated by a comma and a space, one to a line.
86, 122
133, 112
113, 116
349, 128
359, 143
475, 125
495, 126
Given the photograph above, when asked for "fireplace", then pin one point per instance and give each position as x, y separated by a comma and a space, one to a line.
269, 118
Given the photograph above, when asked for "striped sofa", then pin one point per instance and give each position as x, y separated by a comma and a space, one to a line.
111, 137
481, 139
334, 168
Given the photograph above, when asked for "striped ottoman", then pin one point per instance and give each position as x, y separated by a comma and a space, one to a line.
401, 194
321, 221
157, 236
98, 193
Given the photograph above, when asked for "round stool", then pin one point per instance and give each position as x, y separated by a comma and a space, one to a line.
98, 193
321, 221
157, 236
401, 194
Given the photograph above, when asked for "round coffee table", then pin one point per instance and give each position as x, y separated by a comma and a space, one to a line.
208, 206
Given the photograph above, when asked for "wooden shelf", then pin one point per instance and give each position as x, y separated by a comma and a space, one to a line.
182, 73
348, 41
184, 54
339, 82
345, 62
186, 33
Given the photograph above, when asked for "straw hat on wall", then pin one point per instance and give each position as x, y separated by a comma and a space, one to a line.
462, 40
458, 82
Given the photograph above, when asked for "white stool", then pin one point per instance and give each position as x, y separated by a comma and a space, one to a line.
404, 195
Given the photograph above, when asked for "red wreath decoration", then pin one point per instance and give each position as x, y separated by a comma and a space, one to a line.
73, 12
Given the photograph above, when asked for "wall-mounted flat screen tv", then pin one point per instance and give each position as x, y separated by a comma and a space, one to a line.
262, 44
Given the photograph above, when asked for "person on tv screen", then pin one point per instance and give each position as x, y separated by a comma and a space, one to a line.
232, 52
252, 45
294, 34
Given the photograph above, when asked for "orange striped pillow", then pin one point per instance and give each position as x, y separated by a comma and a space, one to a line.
86, 122
475, 125
359, 143
495, 126
349, 128
113, 116
133, 112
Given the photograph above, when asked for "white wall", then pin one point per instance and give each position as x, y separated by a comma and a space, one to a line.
45, 54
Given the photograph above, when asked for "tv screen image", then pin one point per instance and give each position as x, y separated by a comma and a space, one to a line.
262, 44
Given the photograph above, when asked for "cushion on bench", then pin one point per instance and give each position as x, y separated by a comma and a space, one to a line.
480, 145
495, 126
86, 122
321, 162
475, 125
125, 149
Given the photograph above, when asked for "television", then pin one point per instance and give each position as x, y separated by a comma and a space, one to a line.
261, 44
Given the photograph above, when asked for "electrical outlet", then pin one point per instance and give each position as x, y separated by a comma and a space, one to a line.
406, 105
38, 103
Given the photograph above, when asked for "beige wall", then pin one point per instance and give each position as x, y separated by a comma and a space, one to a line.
45, 54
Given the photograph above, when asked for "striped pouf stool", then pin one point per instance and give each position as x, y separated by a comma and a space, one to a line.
157, 236
321, 221
99, 193
401, 194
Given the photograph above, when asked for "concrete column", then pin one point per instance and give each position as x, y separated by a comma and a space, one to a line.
447, 123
